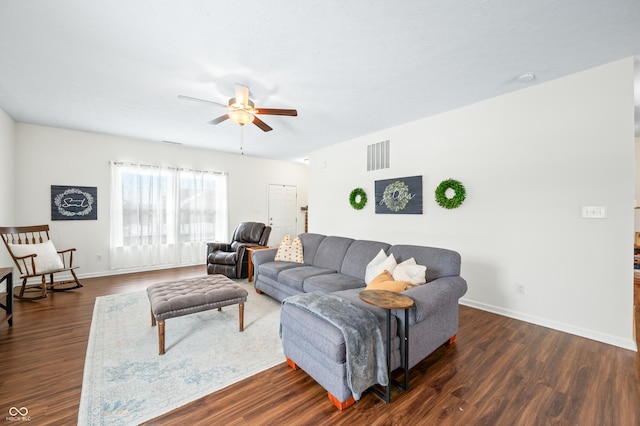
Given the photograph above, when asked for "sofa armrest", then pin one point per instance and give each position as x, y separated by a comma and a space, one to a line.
429, 297
262, 256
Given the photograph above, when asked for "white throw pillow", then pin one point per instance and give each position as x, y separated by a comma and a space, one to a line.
290, 251
47, 258
378, 265
410, 271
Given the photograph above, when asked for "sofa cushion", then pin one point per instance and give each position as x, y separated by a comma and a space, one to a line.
331, 252
328, 283
294, 277
353, 296
318, 334
439, 262
379, 264
359, 255
273, 269
310, 243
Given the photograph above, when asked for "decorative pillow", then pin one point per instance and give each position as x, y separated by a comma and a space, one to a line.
385, 281
410, 271
290, 251
379, 264
47, 258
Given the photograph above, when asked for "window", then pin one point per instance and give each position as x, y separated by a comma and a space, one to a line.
165, 216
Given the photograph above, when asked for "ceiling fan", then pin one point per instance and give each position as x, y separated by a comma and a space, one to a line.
242, 110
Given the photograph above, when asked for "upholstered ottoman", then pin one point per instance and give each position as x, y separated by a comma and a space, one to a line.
177, 298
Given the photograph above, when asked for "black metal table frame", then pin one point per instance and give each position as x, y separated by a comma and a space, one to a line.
386, 396
7, 274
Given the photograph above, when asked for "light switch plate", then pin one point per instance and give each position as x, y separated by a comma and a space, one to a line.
594, 212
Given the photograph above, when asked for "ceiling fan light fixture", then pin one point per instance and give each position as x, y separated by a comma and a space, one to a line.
239, 103
241, 117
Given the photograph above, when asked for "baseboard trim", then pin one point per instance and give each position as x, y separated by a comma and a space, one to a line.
629, 344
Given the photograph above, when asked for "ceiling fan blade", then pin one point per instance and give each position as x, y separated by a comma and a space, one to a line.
276, 111
219, 119
189, 98
242, 94
264, 126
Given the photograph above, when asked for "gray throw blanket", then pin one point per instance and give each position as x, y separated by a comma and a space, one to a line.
366, 359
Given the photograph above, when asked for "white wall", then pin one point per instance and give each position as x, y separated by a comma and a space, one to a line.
7, 211
529, 161
637, 199
48, 156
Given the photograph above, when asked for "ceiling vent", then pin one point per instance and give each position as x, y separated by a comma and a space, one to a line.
378, 156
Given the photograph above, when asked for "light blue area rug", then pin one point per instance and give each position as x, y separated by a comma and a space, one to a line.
125, 380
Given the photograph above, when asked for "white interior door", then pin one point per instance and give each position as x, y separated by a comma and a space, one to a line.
282, 212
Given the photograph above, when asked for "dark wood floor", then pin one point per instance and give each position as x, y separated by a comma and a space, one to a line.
499, 372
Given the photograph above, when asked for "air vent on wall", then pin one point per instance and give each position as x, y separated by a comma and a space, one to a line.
378, 156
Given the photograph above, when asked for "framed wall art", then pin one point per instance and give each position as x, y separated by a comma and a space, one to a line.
74, 202
399, 196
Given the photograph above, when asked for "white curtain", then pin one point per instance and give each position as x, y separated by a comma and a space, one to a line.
201, 217
164, 216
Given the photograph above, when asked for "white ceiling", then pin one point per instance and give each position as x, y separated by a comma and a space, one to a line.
349, 67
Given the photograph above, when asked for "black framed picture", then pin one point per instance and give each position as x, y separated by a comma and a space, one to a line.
74, 202
399, 196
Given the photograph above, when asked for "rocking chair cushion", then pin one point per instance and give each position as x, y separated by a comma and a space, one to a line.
47, 258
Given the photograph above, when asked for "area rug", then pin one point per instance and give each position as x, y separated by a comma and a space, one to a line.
126, 382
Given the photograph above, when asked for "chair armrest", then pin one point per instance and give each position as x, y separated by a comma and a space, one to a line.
211, 247
66, 251
430, 297
63, 253
21, 262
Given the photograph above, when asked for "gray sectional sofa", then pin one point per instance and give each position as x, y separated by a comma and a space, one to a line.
337, 265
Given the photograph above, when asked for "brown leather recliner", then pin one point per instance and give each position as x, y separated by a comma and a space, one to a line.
232, 259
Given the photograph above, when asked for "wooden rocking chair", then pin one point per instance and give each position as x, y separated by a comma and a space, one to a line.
35, 256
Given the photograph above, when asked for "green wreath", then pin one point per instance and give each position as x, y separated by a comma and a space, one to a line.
458, 197
356, 194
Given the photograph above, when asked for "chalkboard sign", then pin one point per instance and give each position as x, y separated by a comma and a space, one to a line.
74, 202
399, 196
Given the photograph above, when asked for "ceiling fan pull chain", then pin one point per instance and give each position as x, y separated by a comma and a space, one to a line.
241, 140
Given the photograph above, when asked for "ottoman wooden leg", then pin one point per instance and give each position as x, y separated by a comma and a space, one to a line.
241, 310
161, 337
153, 319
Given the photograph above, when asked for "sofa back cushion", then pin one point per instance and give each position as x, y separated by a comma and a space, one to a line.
331, 252
439, 262
358, 256
310, 243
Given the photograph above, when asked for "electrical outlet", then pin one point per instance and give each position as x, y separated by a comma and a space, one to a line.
99, 257
520, 288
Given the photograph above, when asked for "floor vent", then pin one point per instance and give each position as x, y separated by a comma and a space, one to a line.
378, 156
